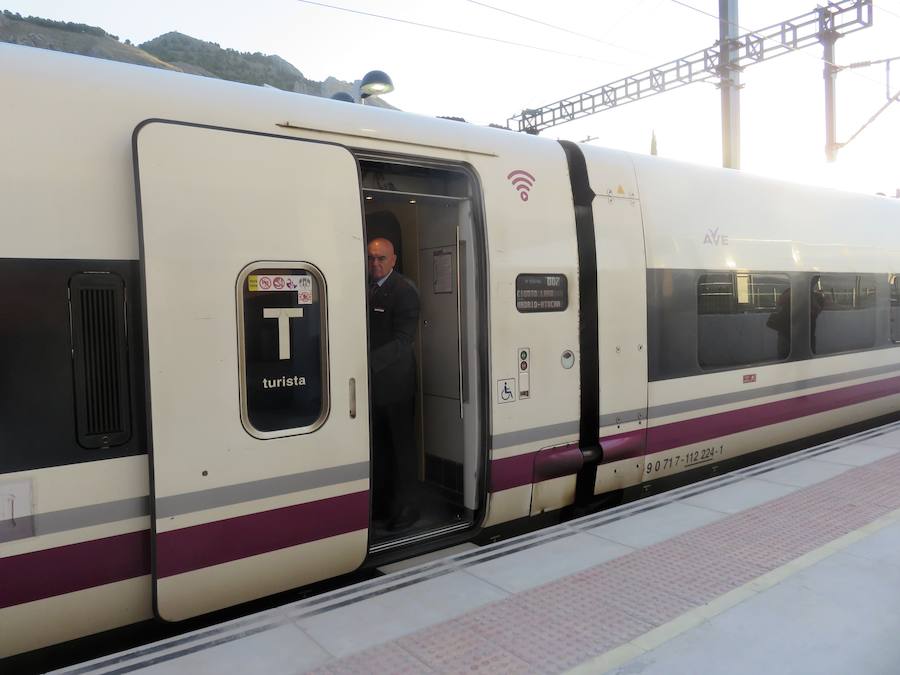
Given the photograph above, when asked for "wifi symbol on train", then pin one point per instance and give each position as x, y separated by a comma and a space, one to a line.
521, 181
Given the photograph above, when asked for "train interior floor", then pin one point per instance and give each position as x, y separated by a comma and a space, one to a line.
791, 566
437, 509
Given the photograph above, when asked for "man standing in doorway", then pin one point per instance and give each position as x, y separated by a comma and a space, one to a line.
393, 319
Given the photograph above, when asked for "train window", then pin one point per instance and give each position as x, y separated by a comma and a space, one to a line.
283, 352
842, 312
894, 280
743, 318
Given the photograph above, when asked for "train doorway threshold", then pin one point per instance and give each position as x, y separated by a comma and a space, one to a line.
790, 566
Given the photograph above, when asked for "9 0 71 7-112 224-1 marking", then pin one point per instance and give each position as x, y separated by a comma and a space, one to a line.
685, 460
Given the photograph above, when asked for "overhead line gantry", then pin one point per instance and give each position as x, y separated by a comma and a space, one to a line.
823, 25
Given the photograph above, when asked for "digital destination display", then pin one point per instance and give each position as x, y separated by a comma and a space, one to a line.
542, 293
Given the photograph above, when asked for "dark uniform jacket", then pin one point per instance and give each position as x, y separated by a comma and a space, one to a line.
393, 319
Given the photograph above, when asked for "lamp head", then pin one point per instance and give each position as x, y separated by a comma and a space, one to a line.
376, 82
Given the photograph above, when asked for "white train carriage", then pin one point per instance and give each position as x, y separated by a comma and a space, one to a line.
184, 400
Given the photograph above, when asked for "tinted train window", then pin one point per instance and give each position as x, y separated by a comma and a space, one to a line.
842, 312
743, 318
283, 354
895, 307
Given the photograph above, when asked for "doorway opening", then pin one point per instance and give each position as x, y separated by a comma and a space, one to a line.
427, 217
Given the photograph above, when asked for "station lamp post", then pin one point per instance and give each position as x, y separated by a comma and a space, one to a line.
374, 83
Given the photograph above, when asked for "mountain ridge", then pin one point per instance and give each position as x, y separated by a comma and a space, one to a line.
171, 51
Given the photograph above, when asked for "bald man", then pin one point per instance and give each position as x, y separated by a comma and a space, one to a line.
393, 319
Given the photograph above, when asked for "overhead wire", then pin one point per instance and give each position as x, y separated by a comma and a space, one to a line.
454, 31
893, 99
631, 11
554, 26
881, 8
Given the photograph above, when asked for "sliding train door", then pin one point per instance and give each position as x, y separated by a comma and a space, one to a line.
254, 276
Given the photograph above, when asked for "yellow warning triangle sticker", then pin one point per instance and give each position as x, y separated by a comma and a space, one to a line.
620, 190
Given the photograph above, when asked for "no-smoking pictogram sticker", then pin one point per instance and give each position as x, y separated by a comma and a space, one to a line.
265, 283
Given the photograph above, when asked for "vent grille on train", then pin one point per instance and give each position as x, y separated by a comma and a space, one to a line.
100, 355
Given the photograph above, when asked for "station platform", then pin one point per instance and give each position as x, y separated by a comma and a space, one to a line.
791, 566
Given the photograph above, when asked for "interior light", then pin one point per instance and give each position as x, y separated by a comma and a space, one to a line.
412, 201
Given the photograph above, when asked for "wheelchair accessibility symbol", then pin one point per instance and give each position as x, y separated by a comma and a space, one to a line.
506, 391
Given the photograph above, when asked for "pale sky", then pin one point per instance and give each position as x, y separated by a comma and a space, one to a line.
438, 73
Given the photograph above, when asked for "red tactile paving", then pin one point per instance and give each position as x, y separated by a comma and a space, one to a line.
691, 572
462, 652
566, 622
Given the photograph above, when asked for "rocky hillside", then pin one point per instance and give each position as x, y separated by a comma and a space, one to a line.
209, 58
75, 38
172, 51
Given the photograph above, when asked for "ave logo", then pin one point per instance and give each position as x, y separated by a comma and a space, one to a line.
713, 238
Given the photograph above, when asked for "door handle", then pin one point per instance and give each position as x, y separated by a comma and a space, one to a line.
352, 398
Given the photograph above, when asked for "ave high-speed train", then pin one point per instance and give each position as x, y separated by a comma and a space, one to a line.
184, 377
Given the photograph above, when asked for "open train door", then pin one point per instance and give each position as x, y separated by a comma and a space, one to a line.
255, 326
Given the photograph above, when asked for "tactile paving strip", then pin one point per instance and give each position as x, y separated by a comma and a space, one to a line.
566, 622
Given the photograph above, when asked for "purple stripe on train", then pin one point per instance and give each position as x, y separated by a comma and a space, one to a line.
564, 460
701, 429
221, 541
66, 569
624, 446
512, 472
528, 468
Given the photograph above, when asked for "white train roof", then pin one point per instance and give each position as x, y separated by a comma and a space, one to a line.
67, 122
706, 218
